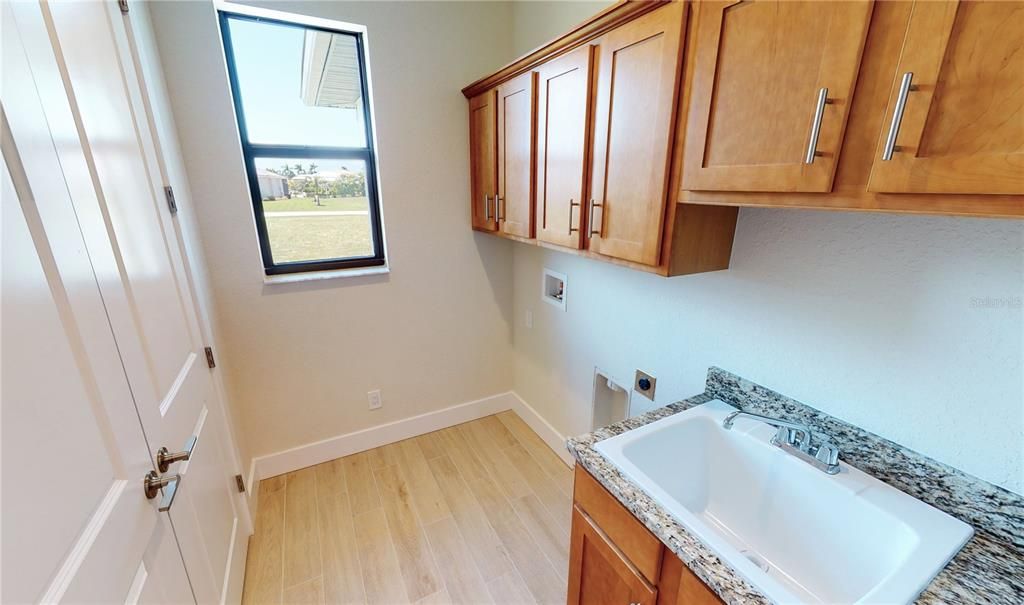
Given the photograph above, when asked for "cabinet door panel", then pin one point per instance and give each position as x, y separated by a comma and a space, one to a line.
962, 129
483, 159
598, 572
515, 155
563, 103
759, 70
638, 74
679, 586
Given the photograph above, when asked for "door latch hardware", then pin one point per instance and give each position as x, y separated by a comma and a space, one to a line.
169, 194
164, 458
153, 483
123, 5
240, 483
209, 357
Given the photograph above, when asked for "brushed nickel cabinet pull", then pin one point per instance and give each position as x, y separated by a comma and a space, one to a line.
487, 207
897, 116
593, 205
571, 205
819, 112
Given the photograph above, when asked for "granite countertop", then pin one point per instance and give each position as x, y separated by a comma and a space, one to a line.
989, 569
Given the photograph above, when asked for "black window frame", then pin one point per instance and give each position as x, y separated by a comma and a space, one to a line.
251, 151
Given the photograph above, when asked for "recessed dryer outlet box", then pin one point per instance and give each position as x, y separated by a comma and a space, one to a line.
553, 288
644, 384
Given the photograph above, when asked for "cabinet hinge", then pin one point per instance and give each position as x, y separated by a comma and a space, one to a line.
171, 204
123, 5
209, 357
240, 483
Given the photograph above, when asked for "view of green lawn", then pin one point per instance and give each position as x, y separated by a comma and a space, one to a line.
298, 238
299, 204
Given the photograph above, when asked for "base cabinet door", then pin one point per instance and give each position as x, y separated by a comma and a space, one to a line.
563, 113
638, 68
771, 91
599, 572
679, 586
483, 159
955, 118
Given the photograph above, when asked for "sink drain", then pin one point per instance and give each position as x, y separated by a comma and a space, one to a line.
756, 560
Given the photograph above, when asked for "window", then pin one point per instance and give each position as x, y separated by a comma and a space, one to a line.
302, 101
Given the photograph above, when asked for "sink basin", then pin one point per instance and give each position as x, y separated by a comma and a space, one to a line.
793, 532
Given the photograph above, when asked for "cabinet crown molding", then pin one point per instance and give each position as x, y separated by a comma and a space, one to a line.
608, 19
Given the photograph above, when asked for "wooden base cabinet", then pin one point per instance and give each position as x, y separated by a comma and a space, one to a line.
679, 586
613, 558
599, 572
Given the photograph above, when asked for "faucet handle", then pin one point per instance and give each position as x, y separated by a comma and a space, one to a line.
827, 453
789, 436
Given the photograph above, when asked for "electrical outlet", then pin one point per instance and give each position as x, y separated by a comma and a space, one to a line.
529, 319
374, 398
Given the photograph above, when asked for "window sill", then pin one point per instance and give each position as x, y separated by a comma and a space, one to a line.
291, 278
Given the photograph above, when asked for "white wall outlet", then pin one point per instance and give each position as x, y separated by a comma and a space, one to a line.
529, 318
374, 398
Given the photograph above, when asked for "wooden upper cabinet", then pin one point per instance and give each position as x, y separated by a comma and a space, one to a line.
638, 67
770, 94
516, 112
563, 112
483, 159
598, 571
959, 86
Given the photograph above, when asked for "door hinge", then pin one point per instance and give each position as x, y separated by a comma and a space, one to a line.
171, 204
209, 357
240, 483
123, 5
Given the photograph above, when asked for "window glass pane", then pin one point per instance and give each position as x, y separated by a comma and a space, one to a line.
298, 86
315, 209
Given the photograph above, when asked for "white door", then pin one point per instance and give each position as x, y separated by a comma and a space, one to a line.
84, 66
76, 526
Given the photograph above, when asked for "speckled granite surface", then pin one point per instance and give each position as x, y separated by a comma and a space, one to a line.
989, 570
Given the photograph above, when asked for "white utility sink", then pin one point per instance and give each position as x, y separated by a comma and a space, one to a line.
792, 531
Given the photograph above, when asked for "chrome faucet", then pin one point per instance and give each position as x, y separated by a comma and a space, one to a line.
795, 438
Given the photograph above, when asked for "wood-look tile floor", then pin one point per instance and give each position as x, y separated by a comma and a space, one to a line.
475, 513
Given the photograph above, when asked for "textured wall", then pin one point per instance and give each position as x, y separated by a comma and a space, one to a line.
911, 327
908, 326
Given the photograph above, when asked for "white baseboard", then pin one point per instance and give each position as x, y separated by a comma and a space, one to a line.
302, 456
554, 439
350, 443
